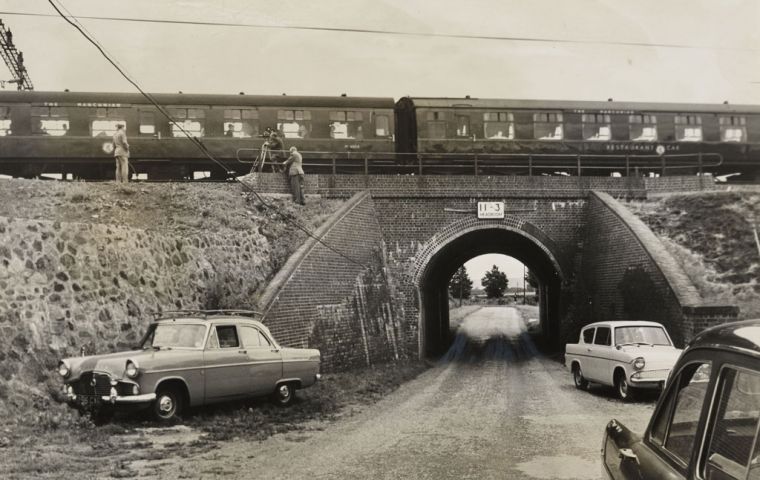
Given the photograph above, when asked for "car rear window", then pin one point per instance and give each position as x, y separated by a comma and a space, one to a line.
588, 335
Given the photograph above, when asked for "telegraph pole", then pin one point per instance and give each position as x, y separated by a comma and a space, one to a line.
14, 60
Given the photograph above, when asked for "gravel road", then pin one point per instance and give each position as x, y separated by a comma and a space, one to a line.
493, 408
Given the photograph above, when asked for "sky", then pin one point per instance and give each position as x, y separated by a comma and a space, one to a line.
478, 266
705, 51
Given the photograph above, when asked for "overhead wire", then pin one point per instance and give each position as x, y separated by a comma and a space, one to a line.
76, 24
372, 31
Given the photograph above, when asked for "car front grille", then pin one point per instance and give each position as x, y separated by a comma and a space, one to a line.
93, 384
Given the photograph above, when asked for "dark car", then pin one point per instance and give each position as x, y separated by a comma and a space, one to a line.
705, 425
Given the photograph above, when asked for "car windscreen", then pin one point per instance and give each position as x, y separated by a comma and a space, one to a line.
640, 334
172, 335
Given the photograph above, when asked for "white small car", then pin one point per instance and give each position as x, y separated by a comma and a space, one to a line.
627, 355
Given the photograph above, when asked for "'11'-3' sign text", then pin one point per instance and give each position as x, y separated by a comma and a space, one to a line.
490, 209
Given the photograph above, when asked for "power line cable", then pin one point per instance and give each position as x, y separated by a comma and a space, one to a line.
394, 32
192, 138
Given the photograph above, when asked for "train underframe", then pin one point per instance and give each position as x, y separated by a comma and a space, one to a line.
200, 169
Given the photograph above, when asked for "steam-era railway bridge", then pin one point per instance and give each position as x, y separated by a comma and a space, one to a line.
406, 235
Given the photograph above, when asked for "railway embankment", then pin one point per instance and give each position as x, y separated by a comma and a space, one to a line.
712, 236
84, 265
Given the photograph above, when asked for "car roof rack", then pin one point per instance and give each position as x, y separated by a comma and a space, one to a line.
172, 314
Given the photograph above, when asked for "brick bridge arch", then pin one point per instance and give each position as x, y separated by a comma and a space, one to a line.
464, 239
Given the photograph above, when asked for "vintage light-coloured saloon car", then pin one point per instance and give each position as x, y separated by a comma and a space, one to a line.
190, 358
707, 421
625, 354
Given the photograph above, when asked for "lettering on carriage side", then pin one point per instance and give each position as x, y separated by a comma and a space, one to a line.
98, 104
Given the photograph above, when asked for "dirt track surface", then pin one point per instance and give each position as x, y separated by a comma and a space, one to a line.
495, 409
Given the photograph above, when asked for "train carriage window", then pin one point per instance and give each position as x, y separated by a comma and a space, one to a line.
147, 123
436, 125
642, 128
104, 122
382, 126
241, 122
547, 126
463, 126
50, 121
596, 126
5, 121
294, 123
688, 128
192, 120
346, 125
733, 129
499, 125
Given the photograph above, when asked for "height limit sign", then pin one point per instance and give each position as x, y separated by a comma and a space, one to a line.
490, 209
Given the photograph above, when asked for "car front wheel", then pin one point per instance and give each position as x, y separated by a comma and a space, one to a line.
284, 394
168, 404
623, 388
580, 382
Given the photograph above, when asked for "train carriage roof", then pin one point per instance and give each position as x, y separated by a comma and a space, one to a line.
566, 105
67, 98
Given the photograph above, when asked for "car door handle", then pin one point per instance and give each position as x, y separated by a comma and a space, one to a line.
242, 351
588, 349
627, 454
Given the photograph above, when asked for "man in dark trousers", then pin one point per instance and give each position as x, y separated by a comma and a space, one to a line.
295, 174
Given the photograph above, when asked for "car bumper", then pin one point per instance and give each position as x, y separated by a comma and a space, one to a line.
649, 378
111, 399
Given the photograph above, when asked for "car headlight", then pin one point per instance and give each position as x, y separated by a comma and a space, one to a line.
639, 363
131, 371
63, 369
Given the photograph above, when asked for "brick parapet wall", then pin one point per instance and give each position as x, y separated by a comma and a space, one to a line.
659, 185
617, 243
471, 186
349, 308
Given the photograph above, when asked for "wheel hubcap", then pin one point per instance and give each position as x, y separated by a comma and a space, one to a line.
165, 404
284, 392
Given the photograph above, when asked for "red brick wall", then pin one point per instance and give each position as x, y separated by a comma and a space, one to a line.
616, 242
371, 312
343, 303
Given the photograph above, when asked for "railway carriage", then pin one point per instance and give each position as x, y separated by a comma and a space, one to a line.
517, 133
70, 133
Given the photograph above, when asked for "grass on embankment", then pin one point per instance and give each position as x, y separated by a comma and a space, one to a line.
712, 236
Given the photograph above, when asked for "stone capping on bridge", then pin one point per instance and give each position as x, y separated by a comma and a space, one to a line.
511, 223
295, 260
677, 280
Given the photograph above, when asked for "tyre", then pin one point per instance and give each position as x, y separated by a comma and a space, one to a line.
580, 382
623, 388
284, 394
168, 404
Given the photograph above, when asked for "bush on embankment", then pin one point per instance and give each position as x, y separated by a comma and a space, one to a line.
711, 235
